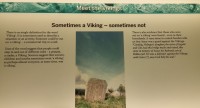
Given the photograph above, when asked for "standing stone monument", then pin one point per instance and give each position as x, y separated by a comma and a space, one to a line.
96, 90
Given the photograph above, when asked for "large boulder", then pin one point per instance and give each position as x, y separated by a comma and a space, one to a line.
96, 90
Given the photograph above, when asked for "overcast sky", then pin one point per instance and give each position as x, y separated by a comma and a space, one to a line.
99, 55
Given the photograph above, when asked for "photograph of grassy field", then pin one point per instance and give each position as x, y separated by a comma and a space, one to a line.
110, 102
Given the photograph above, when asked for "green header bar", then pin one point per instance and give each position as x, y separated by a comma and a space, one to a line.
102, 8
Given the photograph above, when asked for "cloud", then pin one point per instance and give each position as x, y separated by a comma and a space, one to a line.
81, 79
116, 81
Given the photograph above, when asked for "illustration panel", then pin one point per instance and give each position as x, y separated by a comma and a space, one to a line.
100, 70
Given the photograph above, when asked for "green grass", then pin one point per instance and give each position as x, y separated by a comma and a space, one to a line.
111, 102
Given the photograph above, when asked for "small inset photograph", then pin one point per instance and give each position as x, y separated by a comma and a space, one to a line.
99, 79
